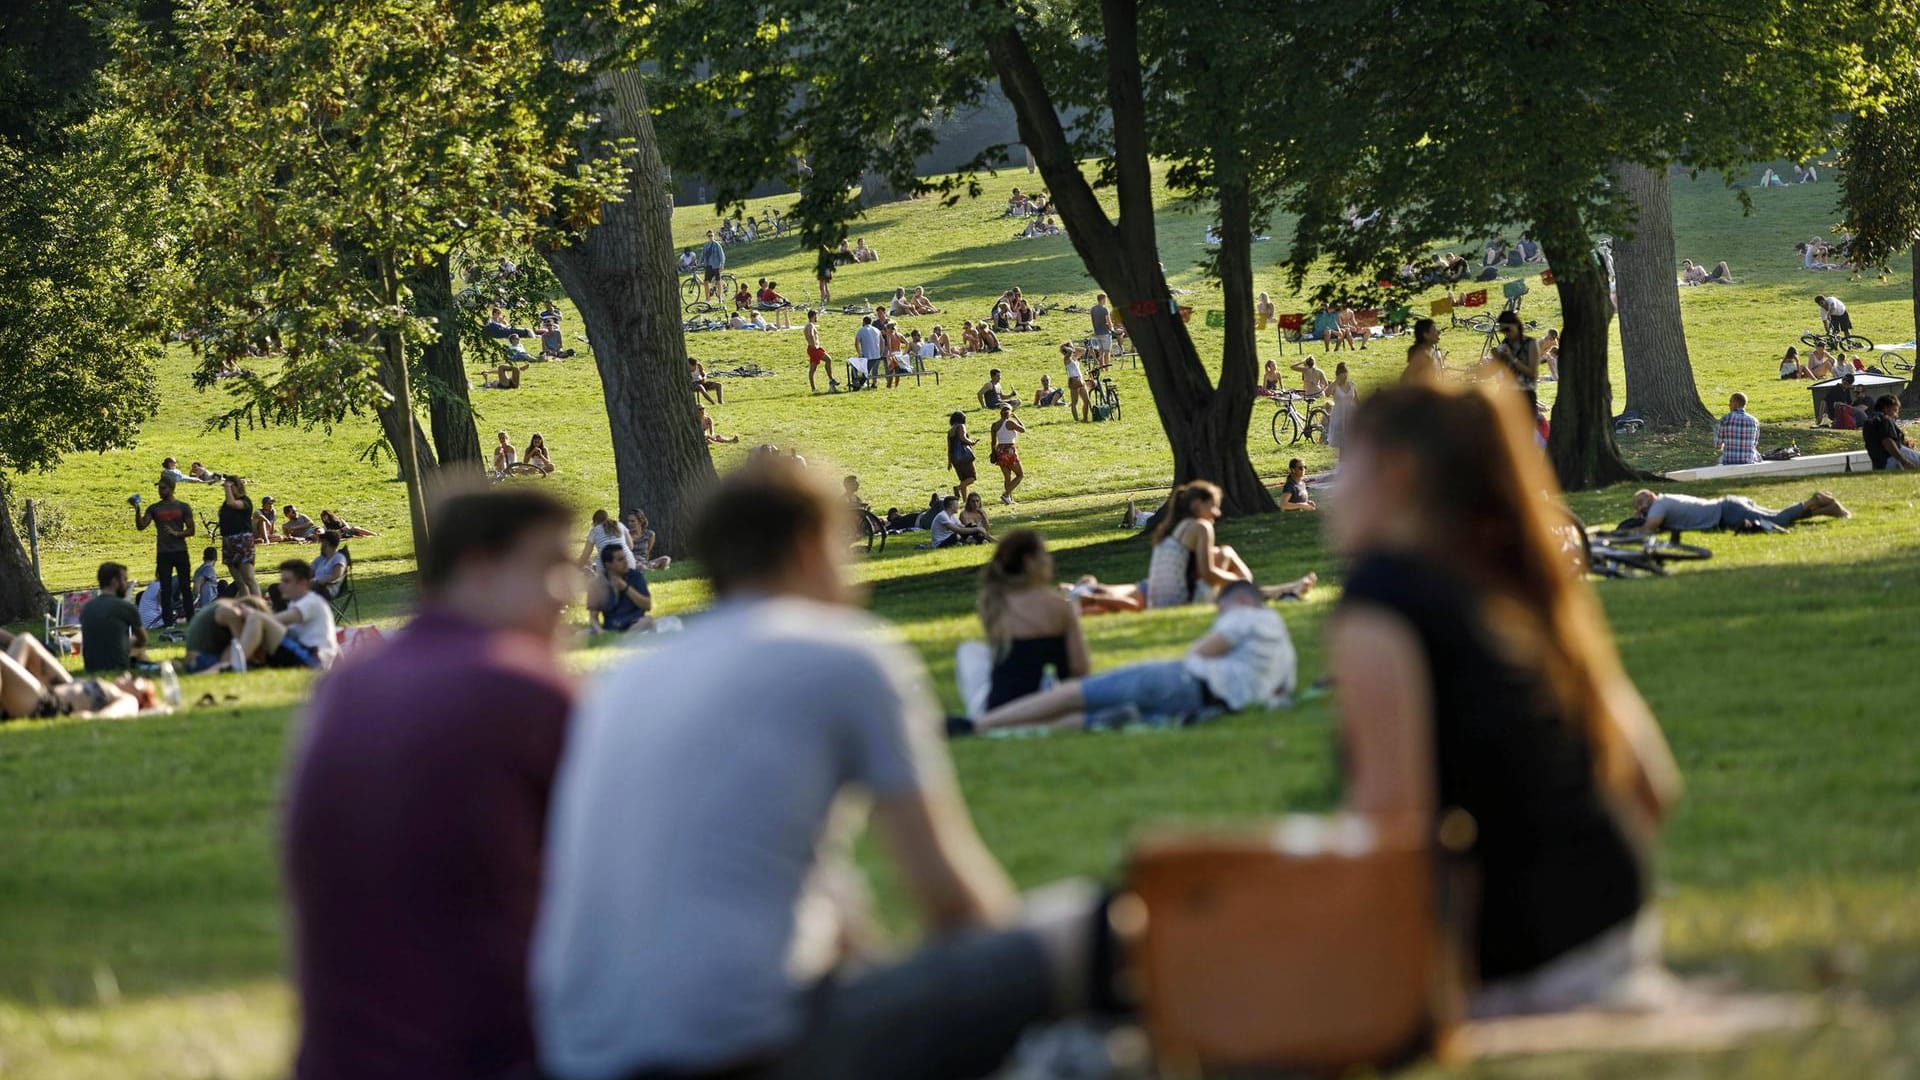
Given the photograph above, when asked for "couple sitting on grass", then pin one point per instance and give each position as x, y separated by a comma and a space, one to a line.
1187, 565
1245, 657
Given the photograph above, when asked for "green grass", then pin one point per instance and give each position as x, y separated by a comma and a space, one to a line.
140, 925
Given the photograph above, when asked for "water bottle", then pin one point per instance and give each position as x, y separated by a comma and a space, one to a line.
1049, 678
169, 685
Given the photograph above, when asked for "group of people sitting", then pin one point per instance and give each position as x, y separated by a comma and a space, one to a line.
506, 374
1022, 204
616, 558
1498, 252
750, 308
1818, 364
1692, 273
1187, 564
1474, 682
1818, 254
505, 457
858, 253
1013, 314
1802, 174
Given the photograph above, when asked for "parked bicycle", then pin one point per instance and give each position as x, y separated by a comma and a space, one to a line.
1609, 553
693, 292
1291, 422
869, 532
1105, 396
1836, 342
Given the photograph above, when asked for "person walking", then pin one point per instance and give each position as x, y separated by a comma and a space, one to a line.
713, 259
960, 456
817, 355
1102, 343
416, 811
172, 522
1006, 432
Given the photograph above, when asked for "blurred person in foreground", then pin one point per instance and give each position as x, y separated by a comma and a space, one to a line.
1480, 694
701, 911
417, 804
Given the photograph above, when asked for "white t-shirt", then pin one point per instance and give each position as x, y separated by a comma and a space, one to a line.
685, 841
1073, 368
315, 628
944, 526
612, 532
1261, 664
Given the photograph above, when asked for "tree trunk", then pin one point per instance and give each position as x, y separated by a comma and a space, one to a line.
621, 276
455, 436
1653, 339
397, 418
22, 597
1206, 429
1582, 448
1910, 397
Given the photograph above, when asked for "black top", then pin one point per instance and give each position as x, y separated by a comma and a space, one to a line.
1018, 673
1294, 492
1555, 867
235, 520
1875, 432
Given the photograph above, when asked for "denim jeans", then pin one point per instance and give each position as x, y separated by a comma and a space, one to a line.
1161, 688
1739, 512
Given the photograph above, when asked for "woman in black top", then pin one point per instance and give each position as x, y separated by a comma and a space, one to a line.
960, 455
236, 536
1030, 626
1479, 687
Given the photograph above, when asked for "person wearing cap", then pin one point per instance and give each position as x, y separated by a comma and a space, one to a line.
265, 530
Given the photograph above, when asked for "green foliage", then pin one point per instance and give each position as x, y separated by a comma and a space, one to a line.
320, 149
1880, 189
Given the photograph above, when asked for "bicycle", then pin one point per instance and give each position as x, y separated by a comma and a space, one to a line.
773, 222
869, 531
1290, 425
693, 291
1609, 553
1105, 396
1832, 342
1895, 363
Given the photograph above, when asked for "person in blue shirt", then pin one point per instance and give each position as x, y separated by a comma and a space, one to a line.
713, 259
619, 596
1326, 326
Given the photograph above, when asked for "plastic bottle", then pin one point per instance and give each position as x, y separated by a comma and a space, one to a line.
169, 685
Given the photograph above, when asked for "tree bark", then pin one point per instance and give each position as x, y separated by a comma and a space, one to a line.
22, 597
621, 276
1582, 447
1653, 338
397, 418
456, 438
1910, 397
1206, 428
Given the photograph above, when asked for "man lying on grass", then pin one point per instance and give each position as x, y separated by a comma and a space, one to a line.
1688, 513
1245, 657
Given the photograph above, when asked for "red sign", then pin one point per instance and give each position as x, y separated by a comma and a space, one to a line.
1546, 277
1384, 283
1292, 322
1143, 307
1476, 298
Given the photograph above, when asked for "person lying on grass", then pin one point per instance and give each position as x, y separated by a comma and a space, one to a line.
1245, 657
1738, 513
1187, 566
618, 597
34, 685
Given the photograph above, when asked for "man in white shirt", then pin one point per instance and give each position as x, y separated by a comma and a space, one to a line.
949, 530
308, 618
1245, 657
330, 566
696, 920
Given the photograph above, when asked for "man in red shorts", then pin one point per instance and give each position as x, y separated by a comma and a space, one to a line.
817, 356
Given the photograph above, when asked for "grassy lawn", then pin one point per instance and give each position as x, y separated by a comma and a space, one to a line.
140, 927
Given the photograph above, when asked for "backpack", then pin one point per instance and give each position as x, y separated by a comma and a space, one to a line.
1513, 288
1783, 453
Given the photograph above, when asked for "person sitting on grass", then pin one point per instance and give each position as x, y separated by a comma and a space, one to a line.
603, 531
991, 395
1821, 364
743, 299
504, 455
1791, 367
769, 299
112, 635
1737, 434
1887, 446
266, 529
330, 566
709, 389
899, 304
919, 304
864, 254
517, 353
36, 686
1833, 406
331, 520
206, 578
642, 540
974, 515
211, 632
537, 455
1029, 625
298, 526
619, 596
942, 344
308, 618
988, 340
1271, 380
1245, 657
708, 431
1293, 493
553, 344
949, 530
498, 328
1047, 394
1186, 566
1687, 513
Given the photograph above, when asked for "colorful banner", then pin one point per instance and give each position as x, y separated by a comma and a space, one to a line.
1476, 298
1292, 322
1143, 307
1442, 306
1216, 320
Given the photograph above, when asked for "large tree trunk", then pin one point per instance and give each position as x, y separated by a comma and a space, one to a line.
1910, 397
449, 408
1582, 448
621, 276
22, 597
1653, 340
397, 419
1207, 429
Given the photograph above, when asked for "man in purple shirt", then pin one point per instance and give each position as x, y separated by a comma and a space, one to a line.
417, 805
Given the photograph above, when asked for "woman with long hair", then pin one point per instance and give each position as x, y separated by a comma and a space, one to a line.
1424, 363
537, 455
1186, 566
960, 456
1481, 698
1030, 626
1006, 454
1345, 397
236, 536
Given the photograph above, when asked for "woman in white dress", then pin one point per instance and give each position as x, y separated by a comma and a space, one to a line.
1346, 398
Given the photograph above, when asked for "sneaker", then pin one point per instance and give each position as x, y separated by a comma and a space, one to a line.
236, 660
1006, 499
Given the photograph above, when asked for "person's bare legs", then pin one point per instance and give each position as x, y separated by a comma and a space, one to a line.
1057, 707
260, 635
20, 692
27, 651
1297, 588
244, 579
1229, 562
1014, 476
1112, 599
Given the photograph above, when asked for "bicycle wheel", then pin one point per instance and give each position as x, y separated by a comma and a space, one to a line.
1670, 552
1113, 404
1815, 341
1316, 429
690, 290
1855, 343
1896, 362
1286, 427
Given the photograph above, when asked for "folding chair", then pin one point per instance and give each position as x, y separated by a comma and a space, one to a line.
344, 595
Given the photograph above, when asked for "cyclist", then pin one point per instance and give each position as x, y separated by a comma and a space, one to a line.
1833, 314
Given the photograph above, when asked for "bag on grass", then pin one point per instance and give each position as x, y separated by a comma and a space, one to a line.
1782, 453
1100, 412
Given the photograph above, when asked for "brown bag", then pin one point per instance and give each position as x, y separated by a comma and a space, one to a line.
1258, 951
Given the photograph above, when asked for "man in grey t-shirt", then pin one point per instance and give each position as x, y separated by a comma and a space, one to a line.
697, 903
1102, 343
1687, 513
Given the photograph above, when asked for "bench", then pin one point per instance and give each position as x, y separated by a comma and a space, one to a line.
1851, 461
919, 369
